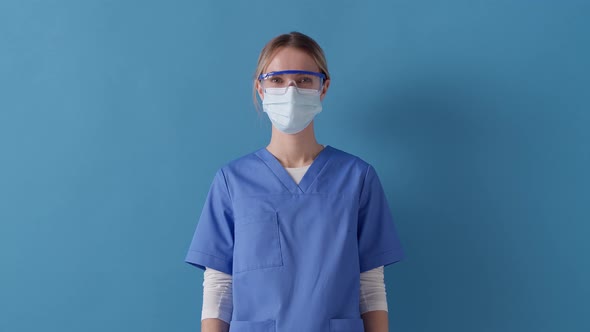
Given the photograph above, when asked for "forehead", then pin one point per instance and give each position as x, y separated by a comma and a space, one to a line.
289, 58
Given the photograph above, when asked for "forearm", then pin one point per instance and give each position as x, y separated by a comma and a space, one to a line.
375, 321
214, 325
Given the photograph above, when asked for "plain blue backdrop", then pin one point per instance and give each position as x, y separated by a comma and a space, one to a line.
114, 116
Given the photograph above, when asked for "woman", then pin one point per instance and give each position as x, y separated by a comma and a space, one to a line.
294, 236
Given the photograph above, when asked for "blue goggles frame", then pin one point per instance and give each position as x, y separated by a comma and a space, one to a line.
273, 73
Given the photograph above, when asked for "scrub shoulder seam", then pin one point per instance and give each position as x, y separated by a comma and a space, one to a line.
225, 182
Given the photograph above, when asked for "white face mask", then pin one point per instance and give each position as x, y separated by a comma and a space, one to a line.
292, 111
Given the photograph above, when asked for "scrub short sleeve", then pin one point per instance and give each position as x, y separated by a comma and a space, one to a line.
213, 241
378, 240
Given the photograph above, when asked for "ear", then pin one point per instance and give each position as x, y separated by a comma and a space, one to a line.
325, 89
260, 90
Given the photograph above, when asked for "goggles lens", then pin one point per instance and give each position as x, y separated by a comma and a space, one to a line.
277, 82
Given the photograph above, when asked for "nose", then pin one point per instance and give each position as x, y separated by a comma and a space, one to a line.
292, 83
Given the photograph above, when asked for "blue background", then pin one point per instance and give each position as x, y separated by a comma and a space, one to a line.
114, 116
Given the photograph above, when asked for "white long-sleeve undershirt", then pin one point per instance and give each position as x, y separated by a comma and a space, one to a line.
217, 295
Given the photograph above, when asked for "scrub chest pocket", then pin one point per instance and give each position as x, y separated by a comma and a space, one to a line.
257, 242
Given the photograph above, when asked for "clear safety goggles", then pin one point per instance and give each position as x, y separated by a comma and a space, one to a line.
306, 82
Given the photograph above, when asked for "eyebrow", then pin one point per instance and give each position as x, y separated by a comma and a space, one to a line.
280, 72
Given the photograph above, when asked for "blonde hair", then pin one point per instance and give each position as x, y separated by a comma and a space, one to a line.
293, 39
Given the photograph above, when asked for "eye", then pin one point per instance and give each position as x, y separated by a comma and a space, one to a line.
305, 79
275, 80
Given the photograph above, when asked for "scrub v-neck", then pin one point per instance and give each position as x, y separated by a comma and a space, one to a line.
308, 179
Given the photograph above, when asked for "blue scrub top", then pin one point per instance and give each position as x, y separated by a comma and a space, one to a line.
295, 252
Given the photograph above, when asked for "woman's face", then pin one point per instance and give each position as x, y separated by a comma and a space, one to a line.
289, 58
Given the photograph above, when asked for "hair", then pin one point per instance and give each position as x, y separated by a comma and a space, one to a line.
293, 39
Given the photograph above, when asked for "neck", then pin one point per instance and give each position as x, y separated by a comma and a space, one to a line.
295, 150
